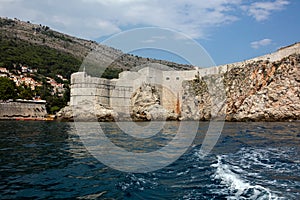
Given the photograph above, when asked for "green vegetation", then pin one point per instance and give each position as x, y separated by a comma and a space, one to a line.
48, 61
111, 73
58, 36
25, 92
6, 22
7, 89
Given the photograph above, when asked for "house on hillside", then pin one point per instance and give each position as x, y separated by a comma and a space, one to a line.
3, 72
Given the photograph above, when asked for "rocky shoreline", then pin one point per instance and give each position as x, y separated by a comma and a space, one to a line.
260, 91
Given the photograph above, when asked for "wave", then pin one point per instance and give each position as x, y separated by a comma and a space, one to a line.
258, 173
238, 187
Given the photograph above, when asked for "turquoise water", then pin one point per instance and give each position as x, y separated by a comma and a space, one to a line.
41, 160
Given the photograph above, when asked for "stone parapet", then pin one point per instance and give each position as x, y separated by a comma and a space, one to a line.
19, 110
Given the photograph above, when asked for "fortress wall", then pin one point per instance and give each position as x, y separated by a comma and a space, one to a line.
215, 70
172, 88
272, 57
102, 94
117, 93
120, 94
145, 75
87, 88
12, 110
120, 98
128, 83
280, 53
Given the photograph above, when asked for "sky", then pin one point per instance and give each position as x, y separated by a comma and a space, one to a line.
228, 30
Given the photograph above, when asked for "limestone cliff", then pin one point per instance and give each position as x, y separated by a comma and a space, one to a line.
259, 91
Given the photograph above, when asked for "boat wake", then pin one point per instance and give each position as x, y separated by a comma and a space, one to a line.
236, 186
256, 174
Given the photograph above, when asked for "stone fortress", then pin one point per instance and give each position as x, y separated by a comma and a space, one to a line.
117, 93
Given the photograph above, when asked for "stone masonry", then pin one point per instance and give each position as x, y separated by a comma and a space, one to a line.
117, 93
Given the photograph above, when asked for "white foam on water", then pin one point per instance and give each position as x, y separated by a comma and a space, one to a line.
136, 182
254, 157
281, 161
239, 188
183, 173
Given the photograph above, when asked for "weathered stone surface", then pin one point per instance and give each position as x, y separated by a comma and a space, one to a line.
145, 103
259, 91
65, 114
277, 94
86, 111
22, 109
204, 98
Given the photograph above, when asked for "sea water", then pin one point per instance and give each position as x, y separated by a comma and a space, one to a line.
41, 160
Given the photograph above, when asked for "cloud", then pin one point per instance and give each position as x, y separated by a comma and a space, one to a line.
262, 10
93, 19
261, 43
154, 39
149, 41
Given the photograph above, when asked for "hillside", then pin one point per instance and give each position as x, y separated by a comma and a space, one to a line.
24, 36
40, 61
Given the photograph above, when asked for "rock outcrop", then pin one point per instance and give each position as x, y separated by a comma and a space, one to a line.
34, 34
86, 111
259, 91
145, 104
273, 92
204, 98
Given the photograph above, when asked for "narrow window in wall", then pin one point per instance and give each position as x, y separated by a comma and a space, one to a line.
167, 78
